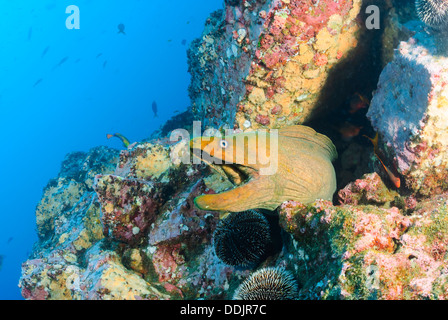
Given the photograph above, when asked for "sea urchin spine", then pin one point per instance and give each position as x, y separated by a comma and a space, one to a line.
434, 13
268, 284
242, 238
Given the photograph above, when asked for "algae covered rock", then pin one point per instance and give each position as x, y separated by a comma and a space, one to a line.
366, 252
75, 179
134, 233
410, 111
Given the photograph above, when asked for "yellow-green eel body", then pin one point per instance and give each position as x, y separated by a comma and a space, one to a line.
304, 169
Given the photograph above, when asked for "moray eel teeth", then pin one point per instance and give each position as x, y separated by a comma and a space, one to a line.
301, 158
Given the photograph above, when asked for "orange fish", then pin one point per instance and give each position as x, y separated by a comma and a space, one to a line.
358, 102
395, 180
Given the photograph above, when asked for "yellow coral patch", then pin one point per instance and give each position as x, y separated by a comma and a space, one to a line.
324, 40
257, 96
152, 162
83, 241
306, 54
108, 208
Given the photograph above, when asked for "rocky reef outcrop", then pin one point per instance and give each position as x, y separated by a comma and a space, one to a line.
124, 225
366, 251
410, 110
126, 228
276, 63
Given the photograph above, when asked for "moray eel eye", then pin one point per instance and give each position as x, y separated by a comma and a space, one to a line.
223, 144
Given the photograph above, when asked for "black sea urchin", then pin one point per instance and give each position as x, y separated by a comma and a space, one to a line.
242, 238
268, 284
434, 13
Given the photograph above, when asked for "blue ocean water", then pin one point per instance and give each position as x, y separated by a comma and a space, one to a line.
63, 90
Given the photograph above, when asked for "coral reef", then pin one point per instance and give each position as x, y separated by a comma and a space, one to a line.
74, 180
367, 252
370, 189
299, 44
221, 58
130, 225
277, 63
132, 233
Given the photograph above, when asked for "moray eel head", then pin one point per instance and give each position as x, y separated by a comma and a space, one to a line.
229, 156
268, 168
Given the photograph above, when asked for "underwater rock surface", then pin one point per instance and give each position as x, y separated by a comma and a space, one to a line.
128, 233
367, 252
264, 63
410, 110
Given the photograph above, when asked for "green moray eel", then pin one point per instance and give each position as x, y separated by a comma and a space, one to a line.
294, 164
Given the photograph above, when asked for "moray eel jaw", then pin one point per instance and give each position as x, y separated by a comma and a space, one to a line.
238, 174
251, 190
301, 160
247, 196
245, 178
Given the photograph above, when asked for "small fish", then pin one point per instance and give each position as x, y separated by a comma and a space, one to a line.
104, 64
176, 111
9, 240
349, 131
121, 28
123, 139
184, 42
37, 82
45, 52
98, 55
188, 22
170, 40
60, 62
395, 180
154, 108
357, 103
77, 60
1, 260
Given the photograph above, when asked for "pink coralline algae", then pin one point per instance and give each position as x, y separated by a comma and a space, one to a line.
129, 206
370, 189
367, 252
264, 120
282, 39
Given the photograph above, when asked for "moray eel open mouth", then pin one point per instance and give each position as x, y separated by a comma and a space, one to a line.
299, 162
237, 174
